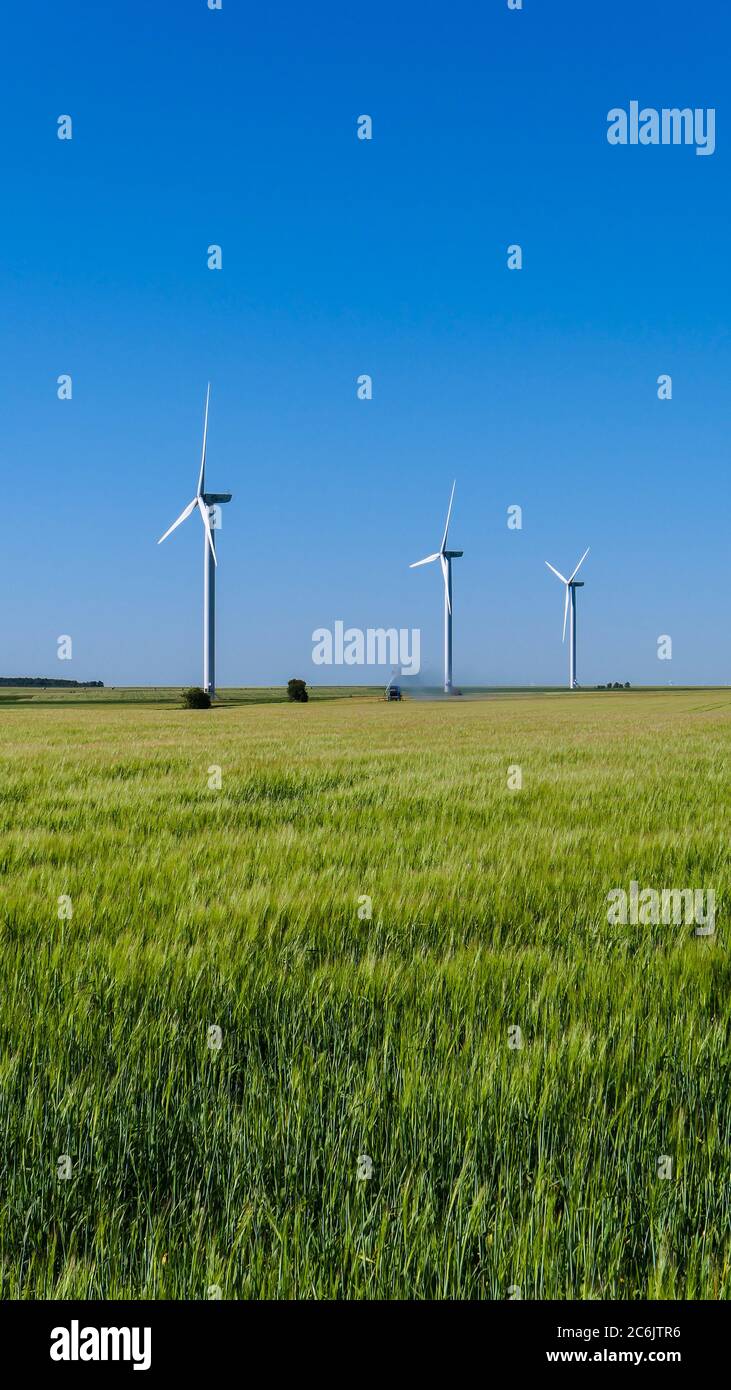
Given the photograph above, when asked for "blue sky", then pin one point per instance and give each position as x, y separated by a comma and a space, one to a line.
342, 257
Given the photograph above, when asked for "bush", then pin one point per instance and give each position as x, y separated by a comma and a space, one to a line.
297, 690
195, 698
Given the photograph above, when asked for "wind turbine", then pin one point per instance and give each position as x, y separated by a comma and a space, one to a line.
572, 584
445, 558
204, 502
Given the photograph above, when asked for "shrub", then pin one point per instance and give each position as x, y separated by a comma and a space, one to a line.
297, 690
195, 698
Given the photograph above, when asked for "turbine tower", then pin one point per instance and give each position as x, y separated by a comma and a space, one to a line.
572, 584
445, 558
205, 501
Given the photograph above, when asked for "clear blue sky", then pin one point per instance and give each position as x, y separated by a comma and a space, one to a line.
343, 257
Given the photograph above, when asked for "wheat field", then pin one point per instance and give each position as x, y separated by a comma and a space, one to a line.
322, 1001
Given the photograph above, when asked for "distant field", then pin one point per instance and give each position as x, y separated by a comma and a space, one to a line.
347, 1039
167, 695
170, 696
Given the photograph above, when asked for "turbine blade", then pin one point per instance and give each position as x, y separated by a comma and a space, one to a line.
449, 513
202, 474
558, 574
565, 614
427, 561
207, 523
445, 572
183, 517
581, 561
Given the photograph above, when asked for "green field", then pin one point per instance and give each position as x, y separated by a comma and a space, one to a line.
346, 1038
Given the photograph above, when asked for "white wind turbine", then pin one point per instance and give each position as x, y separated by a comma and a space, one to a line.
204, 502
445, 558
572, 584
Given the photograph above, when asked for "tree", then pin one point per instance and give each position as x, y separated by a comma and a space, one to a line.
297, 690
195, 698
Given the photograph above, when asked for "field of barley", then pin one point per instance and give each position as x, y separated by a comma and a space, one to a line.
262, 972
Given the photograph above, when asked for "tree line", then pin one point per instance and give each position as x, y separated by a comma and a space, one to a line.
42, 682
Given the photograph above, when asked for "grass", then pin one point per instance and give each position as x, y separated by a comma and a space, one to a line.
343, 1035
